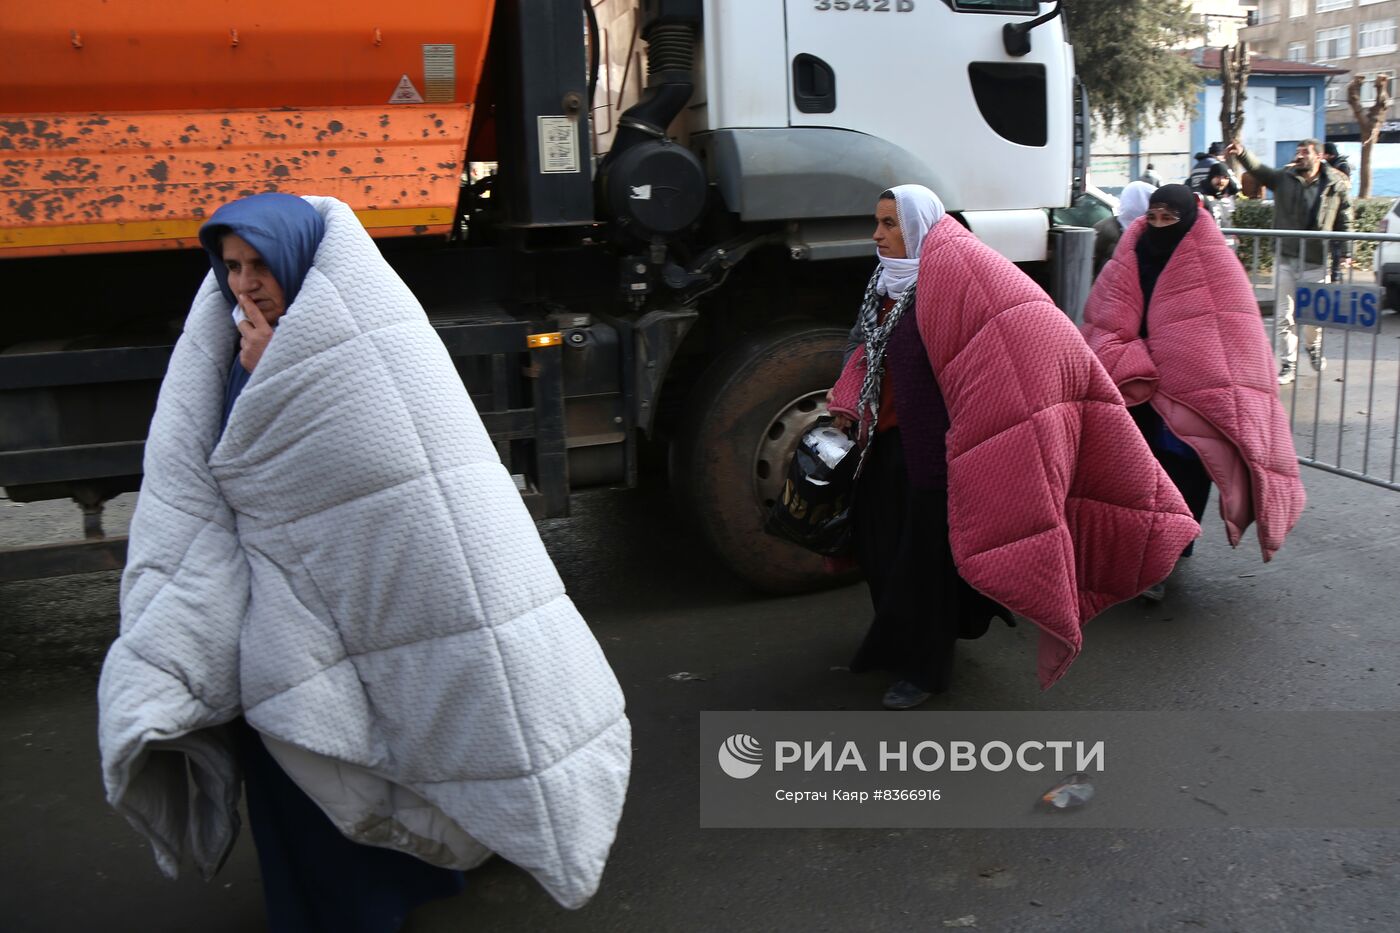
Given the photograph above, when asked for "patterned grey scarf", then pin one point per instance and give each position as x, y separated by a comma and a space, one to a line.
877, 337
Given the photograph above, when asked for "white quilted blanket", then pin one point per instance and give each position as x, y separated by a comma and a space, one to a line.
352, 569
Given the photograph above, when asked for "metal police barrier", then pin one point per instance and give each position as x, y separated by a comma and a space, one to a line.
1344, 405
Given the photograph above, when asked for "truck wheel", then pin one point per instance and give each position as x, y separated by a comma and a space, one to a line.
1392, 297
745, 417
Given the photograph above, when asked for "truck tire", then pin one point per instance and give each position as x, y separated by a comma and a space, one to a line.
743, 421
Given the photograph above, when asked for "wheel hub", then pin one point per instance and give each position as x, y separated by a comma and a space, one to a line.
779, 442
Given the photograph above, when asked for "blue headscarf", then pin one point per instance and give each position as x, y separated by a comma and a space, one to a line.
286, 231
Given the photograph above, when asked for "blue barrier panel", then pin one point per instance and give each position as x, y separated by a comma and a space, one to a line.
1345, 306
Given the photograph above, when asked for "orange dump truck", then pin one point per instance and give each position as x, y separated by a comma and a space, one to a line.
128, 123
633, 222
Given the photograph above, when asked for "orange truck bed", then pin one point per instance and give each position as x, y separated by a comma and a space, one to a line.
124, 125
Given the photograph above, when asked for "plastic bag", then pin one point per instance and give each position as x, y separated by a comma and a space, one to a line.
814, 510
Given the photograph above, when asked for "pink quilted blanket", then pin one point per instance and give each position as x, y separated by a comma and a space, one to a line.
1207, 367
1056, 507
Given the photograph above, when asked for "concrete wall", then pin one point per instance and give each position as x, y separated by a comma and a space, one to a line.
1116, 159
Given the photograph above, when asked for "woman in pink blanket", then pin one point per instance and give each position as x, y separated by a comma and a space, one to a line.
1001, 472
1173, 319
900, 528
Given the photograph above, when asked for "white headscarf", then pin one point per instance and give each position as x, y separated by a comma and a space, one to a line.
1132, 204
917, 209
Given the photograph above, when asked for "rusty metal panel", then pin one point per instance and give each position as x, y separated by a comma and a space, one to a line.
121, 180
124, 125
74, 56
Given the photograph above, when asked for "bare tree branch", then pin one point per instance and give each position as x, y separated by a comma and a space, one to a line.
1369, 121
1234, 79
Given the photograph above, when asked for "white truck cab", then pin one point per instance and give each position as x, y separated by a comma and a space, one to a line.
804, 110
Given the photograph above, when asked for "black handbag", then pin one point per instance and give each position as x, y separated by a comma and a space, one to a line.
814, 510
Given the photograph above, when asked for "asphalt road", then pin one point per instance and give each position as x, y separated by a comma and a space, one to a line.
1318, 628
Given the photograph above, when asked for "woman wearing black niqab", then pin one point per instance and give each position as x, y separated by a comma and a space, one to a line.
1174, 320
1170, 213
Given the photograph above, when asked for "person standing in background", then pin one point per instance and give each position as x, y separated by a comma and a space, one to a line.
1308, 195
1336, 159
1204, 160
1217, 193
1340, 163
1131, 205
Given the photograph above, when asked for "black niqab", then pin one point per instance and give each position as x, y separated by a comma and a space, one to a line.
1156, 245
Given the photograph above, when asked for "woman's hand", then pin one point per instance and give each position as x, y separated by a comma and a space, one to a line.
255, 331
839, 422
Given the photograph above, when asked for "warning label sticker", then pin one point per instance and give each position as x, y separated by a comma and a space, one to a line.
440, 72
405, 93
558, 145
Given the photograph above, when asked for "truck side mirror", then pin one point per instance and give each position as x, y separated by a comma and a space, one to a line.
1016, 37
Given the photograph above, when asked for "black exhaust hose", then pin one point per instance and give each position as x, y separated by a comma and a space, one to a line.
670, 82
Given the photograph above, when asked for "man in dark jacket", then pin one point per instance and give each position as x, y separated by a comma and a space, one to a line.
1204, 160
1218, 193
1336, 159
1340, 163
1308, 195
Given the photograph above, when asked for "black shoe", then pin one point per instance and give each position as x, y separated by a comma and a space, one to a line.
1319, 362
904, 695
1155, 593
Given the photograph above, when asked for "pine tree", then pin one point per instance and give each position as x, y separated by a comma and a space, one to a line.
1124, 53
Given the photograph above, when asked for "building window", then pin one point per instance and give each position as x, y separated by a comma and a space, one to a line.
1376, 37
1327, 6
1333, 43
1336, 96
1368, 88
1297, 9
1369, 2
1293, 96
1297, 51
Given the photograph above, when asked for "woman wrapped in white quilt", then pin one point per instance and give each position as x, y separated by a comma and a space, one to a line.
329, 563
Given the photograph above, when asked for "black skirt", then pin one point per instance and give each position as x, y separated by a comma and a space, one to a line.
922, 606
314, 879
1180, 462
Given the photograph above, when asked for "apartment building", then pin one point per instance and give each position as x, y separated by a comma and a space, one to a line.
1218, 22
1357, 35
